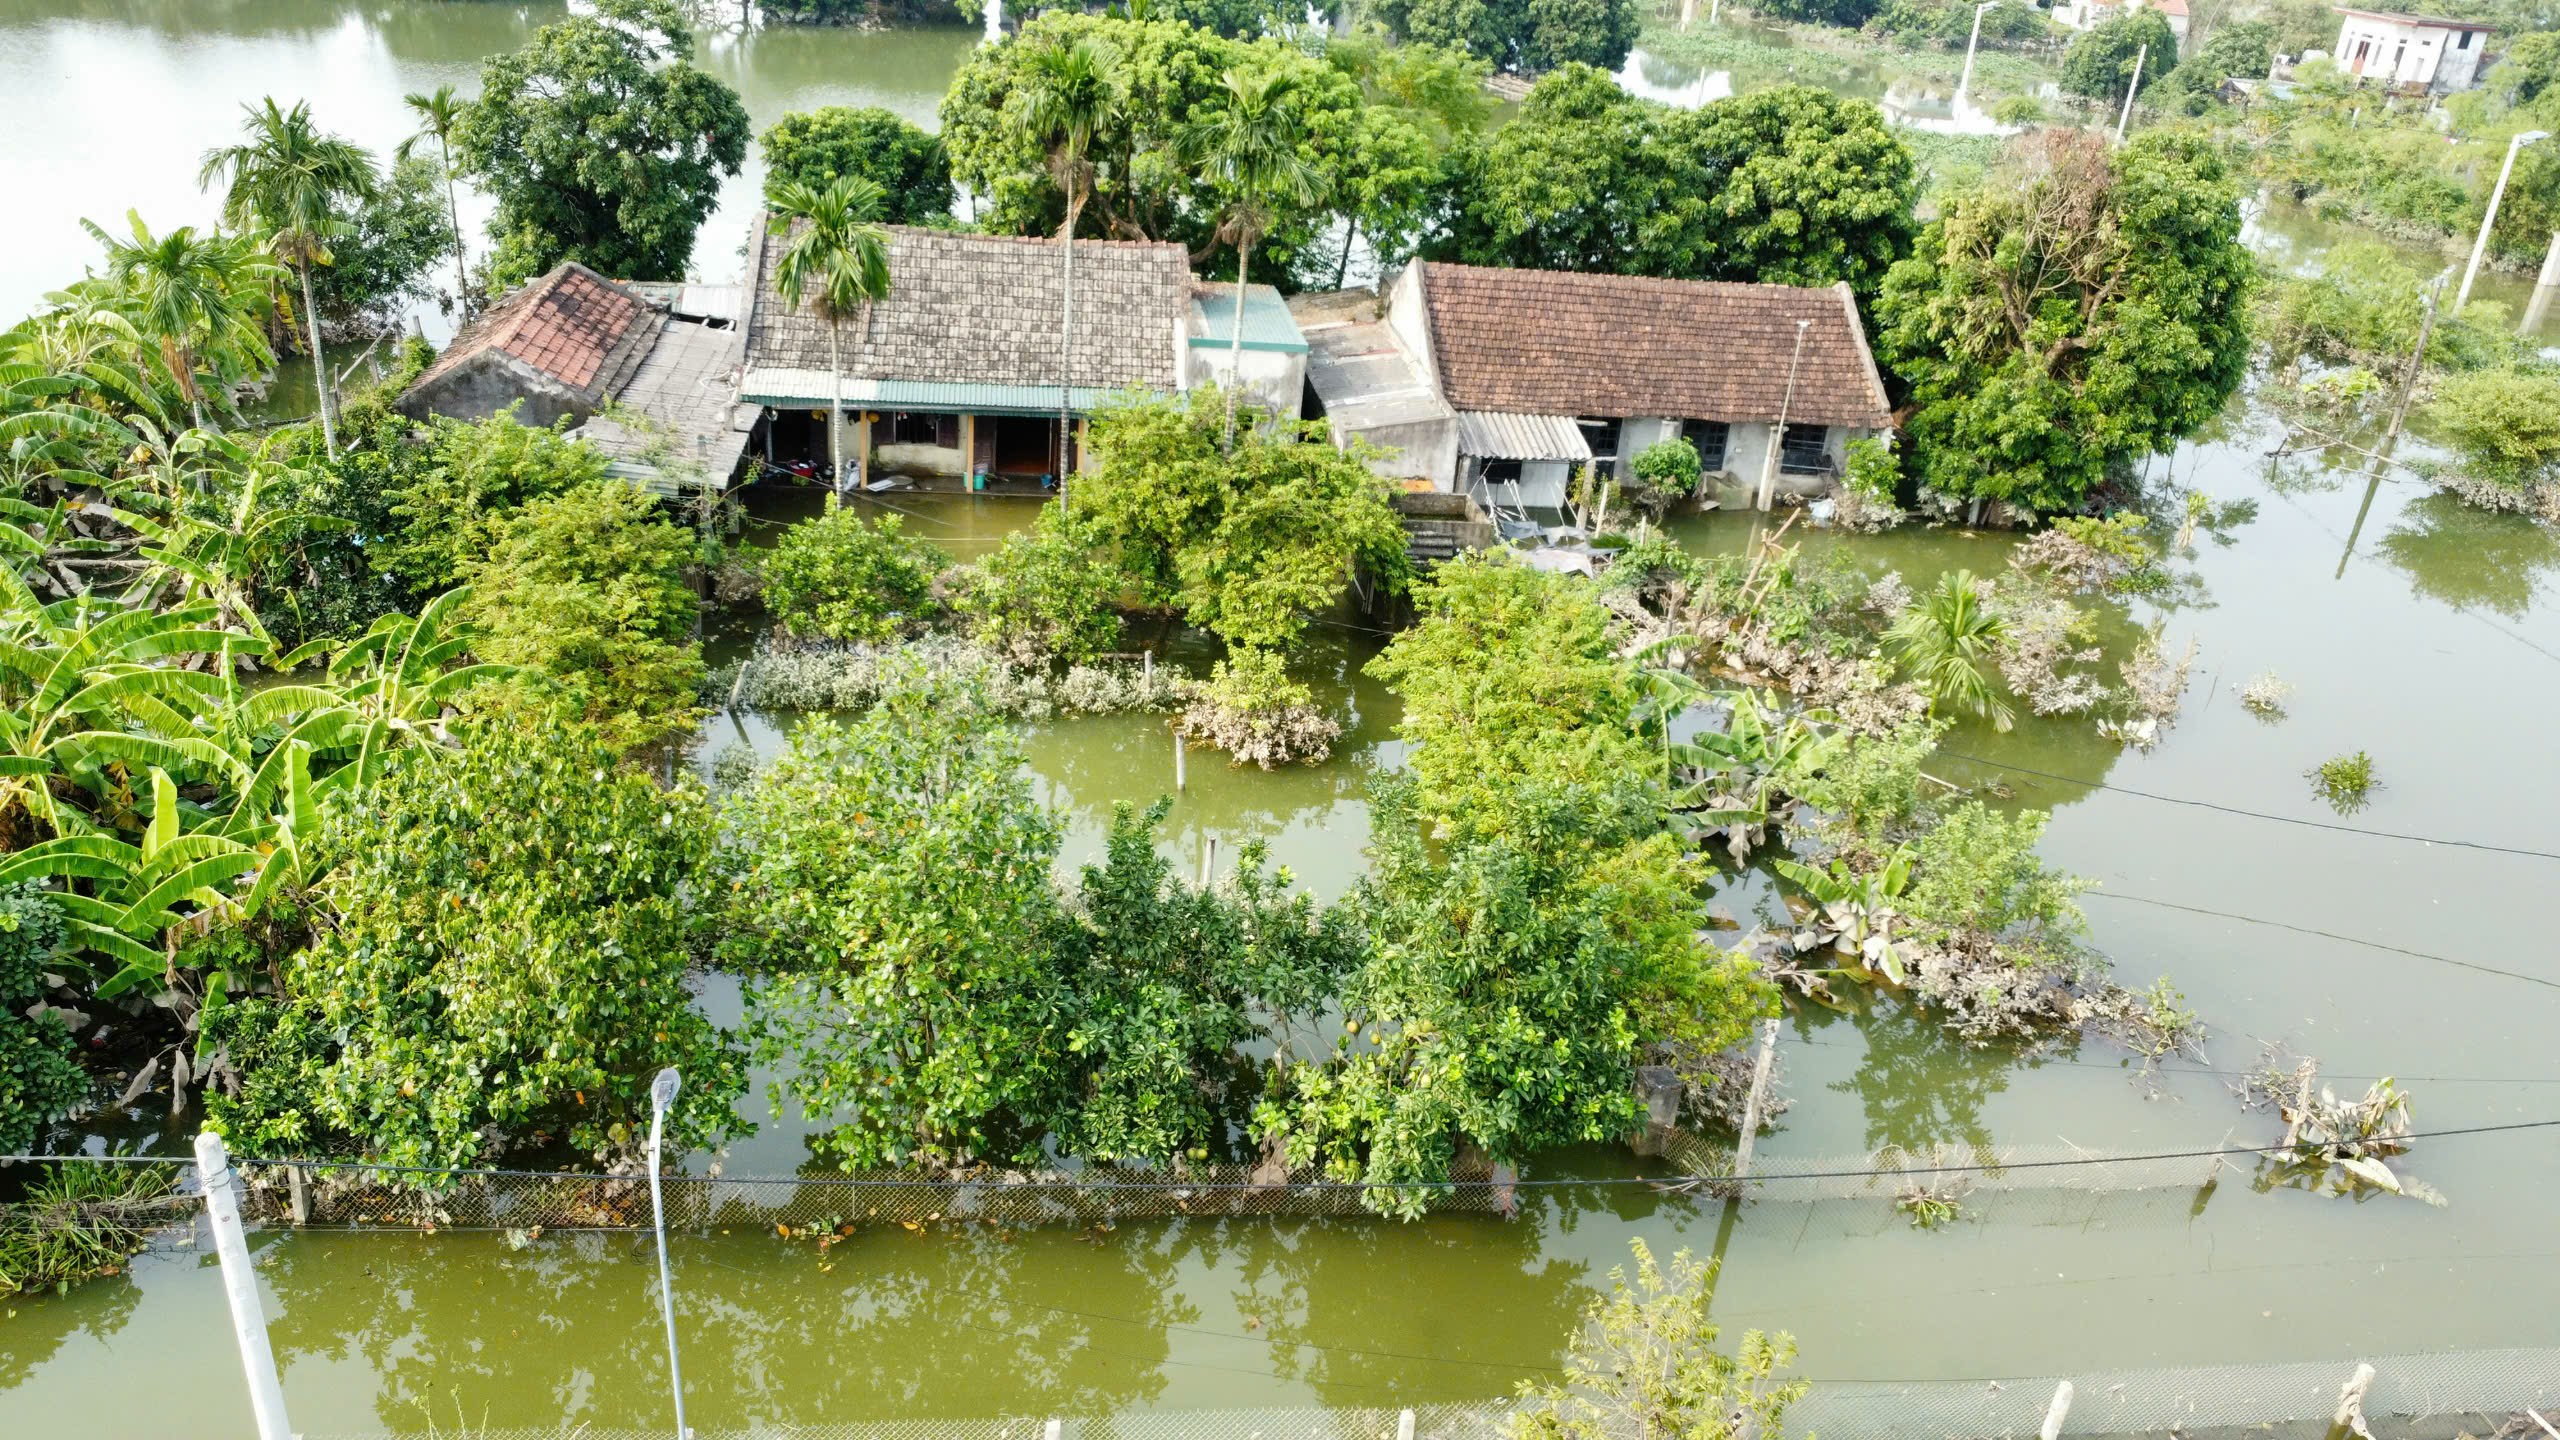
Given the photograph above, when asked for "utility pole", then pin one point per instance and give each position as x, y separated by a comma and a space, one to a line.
1778, 434
2399, 413
2133, 88
2480, 247
1965, 81
240, 1286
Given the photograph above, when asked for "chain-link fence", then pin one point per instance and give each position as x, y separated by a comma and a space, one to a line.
2479, 1394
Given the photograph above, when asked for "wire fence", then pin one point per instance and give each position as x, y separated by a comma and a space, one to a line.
2441, 1396
1931, 1185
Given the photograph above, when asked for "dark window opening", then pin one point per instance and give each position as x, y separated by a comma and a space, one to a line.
1602, 437
1501, 472
906, 427
2466, 40
1711, 438
1802, 450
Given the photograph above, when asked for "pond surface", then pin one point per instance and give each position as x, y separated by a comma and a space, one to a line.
2423, 632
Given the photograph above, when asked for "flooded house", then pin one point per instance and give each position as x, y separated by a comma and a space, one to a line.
957, 377
1500, 383
647, 373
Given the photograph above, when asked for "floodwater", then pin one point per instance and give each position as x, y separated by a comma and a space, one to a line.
2411, 627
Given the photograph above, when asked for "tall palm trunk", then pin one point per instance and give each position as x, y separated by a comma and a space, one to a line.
319, 363
1235, 342
461, 254
1066, 358
1350, 237
835, 406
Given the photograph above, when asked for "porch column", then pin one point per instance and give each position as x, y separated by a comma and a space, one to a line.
1081, 426
859, 456
968, 449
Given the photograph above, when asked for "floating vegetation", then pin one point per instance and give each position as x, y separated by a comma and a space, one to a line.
2322, 1132
80, 1221
2264, 695
1934, 1183
2346, 781
852, 677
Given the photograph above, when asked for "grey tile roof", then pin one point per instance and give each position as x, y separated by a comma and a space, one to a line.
685, 397
984, 309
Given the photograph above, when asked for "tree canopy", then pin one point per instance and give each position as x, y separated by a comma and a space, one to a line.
602, 143
2076, 310
1792, 185
814, 147
2099, 64
1531, 36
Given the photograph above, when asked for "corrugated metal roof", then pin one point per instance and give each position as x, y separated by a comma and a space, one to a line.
1502, 435
812, 389
1268, 325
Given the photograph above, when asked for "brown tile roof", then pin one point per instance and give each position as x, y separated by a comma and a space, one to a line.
570, 324
984, 309
1547, 342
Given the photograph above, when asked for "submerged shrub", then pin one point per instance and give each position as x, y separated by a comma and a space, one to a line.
839, 577
1250, 708
854, 677
2345, 781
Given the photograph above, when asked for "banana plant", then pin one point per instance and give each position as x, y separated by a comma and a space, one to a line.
1731, 784
1855, 911
395, 681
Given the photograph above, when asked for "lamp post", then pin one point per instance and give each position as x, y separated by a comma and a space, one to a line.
2480, 246
662, 1093
1965, 81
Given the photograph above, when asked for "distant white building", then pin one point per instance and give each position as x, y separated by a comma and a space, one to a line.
2089, 14
2411, 52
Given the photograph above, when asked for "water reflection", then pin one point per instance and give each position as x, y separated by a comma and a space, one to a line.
2461, 555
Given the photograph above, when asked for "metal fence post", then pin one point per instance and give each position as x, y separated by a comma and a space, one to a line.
240, 1285
1404, 1425
2053, 1417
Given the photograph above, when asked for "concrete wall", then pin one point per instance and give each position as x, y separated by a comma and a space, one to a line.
487, 385
1411, 324
1423, 450
1273, 379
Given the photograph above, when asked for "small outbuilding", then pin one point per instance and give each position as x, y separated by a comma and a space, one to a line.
2413, 53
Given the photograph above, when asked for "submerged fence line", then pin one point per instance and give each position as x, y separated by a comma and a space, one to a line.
360, 1194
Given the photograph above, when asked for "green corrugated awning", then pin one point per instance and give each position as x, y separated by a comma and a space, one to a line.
808, 389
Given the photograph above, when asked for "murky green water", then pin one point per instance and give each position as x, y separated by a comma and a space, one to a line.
2433, 642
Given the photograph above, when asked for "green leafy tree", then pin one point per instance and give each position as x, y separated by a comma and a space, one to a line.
378, 267
1644, 1366
445, 497
586, 589
2099, 64
839, 577
1531, 36
501, 946
1050, 592
816, 147
2079, 309
2504, 424
1845, 14
2244, 48
1249, 144
835, 257
288, 181
1812, 189
198, 298
439, 114
1508, 989
1791, 185
602, 143
1245, 540
1509, 674
1165, 981
1979, 880
1671, 466
39, 1070
888, 888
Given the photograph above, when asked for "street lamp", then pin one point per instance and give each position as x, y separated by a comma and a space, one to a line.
2480, 247
662, 1093
1965, 82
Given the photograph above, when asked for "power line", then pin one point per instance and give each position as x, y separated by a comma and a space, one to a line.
2123, 1067
2381, 945
2252, 814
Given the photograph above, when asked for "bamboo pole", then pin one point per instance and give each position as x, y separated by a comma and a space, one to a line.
2053, 1417
1751, 1107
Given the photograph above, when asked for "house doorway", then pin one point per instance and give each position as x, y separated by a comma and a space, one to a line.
2363, 49
1020, 444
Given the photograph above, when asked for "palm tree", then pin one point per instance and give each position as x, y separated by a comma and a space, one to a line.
439, 117
838, 257
193, 294
1947, 639
290, 179
1248, 145
1068, 95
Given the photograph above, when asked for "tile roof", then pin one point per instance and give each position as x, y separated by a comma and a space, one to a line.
684, 397
983, 309
1546, 342
570, 324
